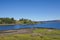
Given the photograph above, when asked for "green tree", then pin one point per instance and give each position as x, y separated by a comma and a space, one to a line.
26, 21
7, 20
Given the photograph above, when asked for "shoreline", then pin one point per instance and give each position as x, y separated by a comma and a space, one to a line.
14, 24
22, 30
17, 31
7, 24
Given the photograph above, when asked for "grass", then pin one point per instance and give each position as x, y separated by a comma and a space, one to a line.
38, 34
47, 31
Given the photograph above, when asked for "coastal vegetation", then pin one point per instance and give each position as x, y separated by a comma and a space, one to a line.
13, 21
7, 21
26, 21
37, 34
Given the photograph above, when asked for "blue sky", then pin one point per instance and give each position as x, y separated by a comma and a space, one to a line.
31, 9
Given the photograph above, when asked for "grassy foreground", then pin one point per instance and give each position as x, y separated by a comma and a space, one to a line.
37, 34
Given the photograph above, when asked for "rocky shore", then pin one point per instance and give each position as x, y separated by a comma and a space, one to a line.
19, 31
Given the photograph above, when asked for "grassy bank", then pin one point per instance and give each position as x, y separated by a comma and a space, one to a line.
37, 34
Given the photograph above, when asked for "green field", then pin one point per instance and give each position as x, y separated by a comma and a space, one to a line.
37, 34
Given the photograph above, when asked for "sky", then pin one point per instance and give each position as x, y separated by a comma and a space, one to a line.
37, 10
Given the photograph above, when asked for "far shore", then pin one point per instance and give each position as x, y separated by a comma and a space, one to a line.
7, 24
14, 24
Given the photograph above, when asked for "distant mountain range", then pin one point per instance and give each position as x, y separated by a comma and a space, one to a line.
53, 21
48, 21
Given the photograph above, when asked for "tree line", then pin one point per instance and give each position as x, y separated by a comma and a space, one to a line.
7, 20
13, 21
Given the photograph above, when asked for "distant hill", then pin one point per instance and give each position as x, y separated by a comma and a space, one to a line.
49, 21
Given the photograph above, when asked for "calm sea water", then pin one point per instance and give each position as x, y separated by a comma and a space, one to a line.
55, 25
